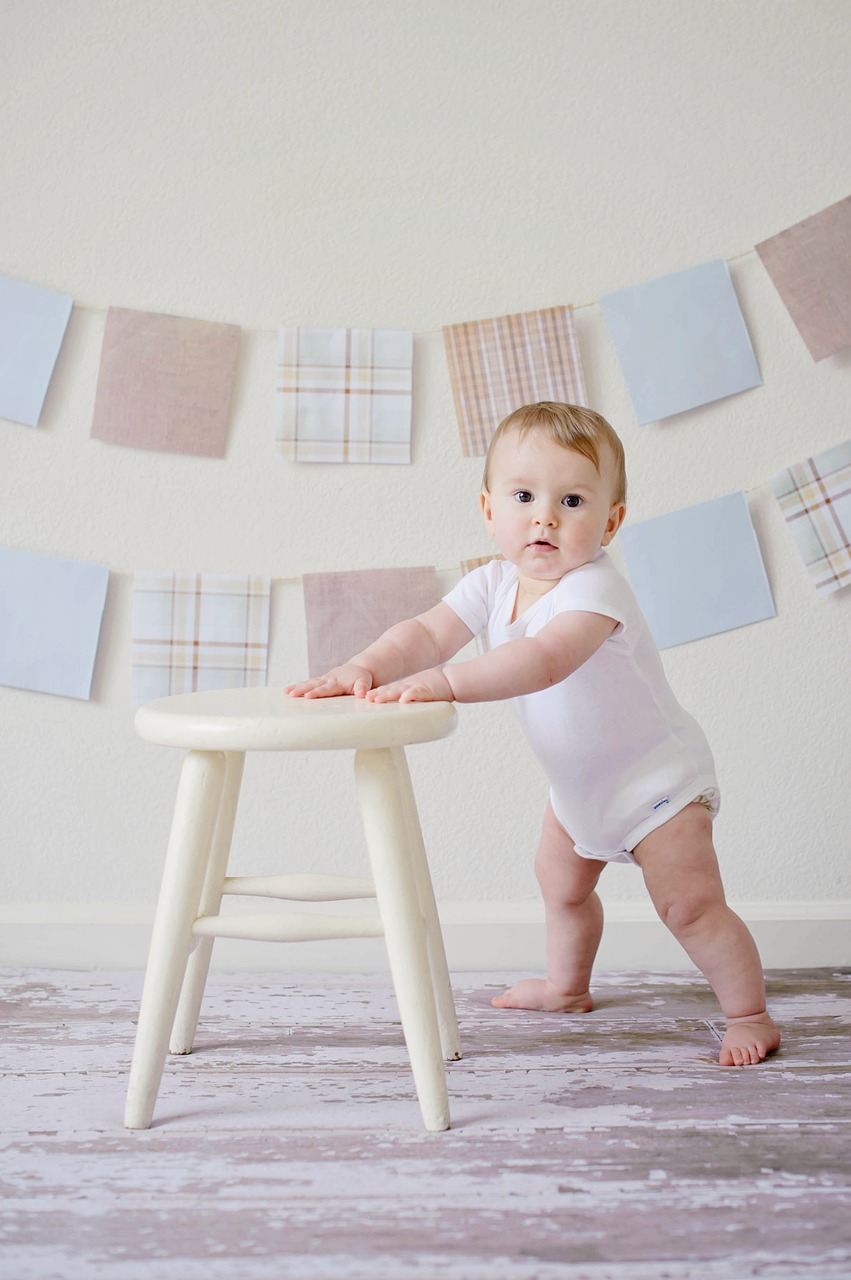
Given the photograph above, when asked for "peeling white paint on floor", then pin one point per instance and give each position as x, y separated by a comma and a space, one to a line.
289, 1144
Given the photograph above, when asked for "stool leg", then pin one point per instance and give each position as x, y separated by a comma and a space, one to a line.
385, 820
192, 828
189, 1007
450, 1039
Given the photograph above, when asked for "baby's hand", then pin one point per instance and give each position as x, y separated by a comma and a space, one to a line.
425, 686
348, 679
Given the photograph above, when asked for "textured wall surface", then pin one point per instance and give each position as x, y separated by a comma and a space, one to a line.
407, 165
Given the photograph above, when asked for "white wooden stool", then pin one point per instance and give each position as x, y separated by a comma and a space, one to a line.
218, 729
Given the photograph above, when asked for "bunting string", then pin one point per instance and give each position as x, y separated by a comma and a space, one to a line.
97, 309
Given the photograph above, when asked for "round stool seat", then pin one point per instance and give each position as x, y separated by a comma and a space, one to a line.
267, 719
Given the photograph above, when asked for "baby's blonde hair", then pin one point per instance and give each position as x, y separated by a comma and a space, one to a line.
569, 425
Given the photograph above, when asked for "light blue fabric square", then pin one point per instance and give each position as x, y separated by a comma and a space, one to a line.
681, 341
50, 618
32, 325
698, 571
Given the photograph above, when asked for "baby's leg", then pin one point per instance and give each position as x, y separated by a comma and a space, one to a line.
682, 876
574, 916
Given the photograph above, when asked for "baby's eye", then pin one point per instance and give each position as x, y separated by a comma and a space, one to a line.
523, 495
571, 500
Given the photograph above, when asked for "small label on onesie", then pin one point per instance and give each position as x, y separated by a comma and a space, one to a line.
659, 803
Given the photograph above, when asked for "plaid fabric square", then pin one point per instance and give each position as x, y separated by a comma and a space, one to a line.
498, 365
815, 498
344, 395
810, 265
165, 382
198, 631
347, 611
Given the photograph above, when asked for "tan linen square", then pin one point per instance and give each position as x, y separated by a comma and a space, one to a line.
347, 611
810, 265
498, 365
165, 382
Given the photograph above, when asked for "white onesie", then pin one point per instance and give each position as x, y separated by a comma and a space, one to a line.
621, 754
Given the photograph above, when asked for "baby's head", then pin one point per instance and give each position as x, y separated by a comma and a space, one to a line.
572, 427
554, 488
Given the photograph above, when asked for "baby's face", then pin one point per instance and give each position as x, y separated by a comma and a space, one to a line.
548, 507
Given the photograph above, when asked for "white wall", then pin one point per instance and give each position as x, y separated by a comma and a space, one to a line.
406, 164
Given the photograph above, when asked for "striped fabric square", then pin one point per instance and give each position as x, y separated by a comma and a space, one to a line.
815, 498
498, 365
198, 631
165, 382
344, 395
810, 267
346, 611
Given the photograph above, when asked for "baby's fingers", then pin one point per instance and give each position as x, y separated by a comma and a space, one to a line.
417, 693
385, 693
299, 690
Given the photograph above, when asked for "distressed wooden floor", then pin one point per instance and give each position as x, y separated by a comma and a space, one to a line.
289, 1144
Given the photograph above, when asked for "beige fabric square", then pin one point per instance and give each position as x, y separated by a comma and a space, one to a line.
499, 365
810, 265
165, 382
345, 612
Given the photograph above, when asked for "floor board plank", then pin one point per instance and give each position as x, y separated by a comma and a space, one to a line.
289, 1143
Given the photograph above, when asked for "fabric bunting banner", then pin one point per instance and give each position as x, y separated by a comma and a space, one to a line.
347, 611
344, 395
815, 498
498, 365
198, 631
165, 383
810, 266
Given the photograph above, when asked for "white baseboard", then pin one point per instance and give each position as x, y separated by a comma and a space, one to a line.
480, 937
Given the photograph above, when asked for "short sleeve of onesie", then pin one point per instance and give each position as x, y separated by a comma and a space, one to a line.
474, 597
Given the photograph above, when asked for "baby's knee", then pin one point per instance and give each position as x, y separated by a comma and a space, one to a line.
563, 889
681, 912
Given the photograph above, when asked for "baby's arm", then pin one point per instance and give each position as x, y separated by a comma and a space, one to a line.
425, 641
514, 668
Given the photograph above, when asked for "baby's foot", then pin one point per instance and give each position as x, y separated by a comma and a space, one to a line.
539, 993
748, 1040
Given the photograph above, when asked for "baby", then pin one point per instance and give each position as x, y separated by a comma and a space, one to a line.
631, 774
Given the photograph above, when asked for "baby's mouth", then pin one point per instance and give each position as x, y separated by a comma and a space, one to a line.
542, 542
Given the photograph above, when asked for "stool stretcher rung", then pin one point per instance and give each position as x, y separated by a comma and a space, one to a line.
292, 927
301, 888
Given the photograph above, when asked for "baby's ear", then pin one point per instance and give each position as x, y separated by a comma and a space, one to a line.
616, 519
485, 504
